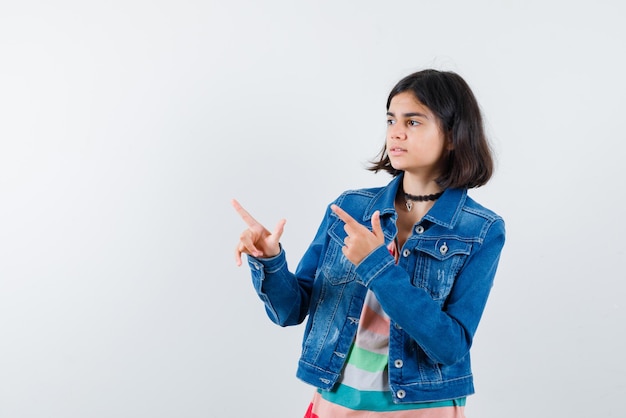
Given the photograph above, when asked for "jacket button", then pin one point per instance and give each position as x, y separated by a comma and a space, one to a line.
397, 326
443, 249
398, 363
419, 229
400, 394
406, 253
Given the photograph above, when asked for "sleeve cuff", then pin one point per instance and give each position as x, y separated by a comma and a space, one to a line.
269, 265
374, 264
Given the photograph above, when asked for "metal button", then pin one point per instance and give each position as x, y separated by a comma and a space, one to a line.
397, 326
443, 249
419, 229
406, 253
400, 394
398, 363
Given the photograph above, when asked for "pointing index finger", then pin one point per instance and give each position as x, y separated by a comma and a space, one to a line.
247, 218
343, 215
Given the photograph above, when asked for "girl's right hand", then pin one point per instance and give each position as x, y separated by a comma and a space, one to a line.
257, 241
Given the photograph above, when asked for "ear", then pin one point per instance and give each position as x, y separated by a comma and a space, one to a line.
449, 144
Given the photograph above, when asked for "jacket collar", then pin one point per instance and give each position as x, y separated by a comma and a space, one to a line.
445, 211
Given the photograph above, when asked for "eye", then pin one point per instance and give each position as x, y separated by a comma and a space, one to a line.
413, 123
391, 122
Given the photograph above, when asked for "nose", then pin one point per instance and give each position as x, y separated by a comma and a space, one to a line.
396, 131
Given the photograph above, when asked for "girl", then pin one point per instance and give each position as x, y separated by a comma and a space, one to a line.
396, 278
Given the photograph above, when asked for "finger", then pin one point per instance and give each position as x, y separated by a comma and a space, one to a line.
245, 215
242, 249
345, 250
238, 251
344, 216
376, 227
280, 227
247, 243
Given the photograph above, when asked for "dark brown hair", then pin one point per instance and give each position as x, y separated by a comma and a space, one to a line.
469, 163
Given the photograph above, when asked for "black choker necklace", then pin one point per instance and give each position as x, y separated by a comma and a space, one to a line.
409, 199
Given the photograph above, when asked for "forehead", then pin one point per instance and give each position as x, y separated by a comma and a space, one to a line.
406, 102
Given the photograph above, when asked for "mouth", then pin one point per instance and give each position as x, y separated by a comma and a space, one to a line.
396, 150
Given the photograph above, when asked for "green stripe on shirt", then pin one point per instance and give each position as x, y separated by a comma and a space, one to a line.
378, 401
367, 360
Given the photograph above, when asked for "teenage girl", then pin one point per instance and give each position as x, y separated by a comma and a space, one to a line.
397, 277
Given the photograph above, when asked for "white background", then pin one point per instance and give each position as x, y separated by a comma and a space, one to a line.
127, 126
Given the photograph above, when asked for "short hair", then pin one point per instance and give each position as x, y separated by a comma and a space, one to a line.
469, 163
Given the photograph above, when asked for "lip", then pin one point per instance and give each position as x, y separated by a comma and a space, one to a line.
396, 151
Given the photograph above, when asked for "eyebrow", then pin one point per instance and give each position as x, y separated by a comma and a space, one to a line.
409, 115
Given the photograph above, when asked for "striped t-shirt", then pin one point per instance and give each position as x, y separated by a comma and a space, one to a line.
363, 388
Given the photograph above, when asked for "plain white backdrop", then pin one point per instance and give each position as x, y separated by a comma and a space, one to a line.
127, 126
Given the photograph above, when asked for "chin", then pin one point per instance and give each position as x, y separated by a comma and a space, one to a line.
394, 164
399, 167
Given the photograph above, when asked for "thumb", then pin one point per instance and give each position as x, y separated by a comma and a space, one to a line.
376, 228
280, 227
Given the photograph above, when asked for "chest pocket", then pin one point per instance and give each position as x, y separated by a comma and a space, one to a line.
438, 263
336, 268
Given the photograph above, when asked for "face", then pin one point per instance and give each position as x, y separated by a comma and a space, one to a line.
415, 142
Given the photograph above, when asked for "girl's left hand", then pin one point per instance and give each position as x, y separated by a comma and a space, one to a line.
257, 241
360, 241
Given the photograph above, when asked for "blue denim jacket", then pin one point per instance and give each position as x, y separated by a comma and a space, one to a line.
434, 295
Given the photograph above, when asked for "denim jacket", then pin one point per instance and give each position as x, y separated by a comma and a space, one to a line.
435, 294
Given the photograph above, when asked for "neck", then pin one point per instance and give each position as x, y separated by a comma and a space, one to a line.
419, 194
419, 186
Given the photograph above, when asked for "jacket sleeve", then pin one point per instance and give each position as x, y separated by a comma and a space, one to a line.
444, 333
287, 295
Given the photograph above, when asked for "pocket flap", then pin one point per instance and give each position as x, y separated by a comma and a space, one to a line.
444, 248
